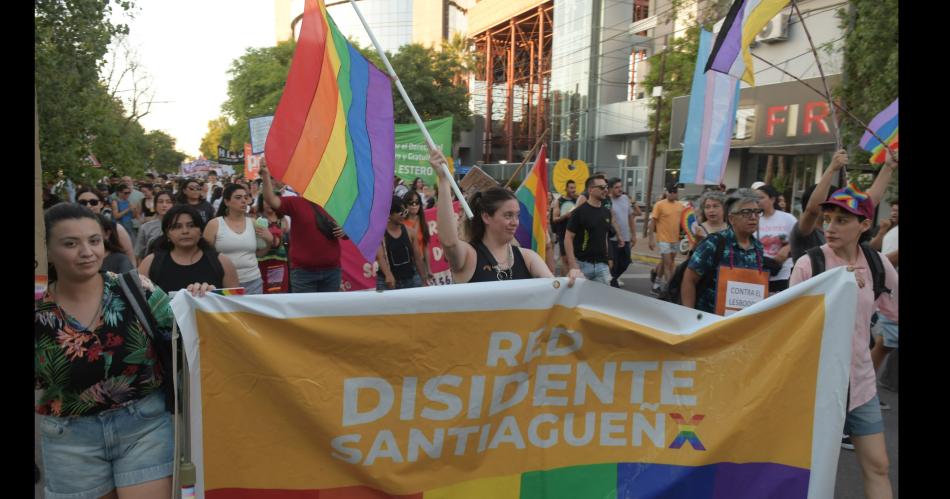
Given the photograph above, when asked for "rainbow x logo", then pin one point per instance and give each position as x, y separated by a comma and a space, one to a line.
687, 431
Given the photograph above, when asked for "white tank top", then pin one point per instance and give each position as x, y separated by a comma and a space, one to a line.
240, 248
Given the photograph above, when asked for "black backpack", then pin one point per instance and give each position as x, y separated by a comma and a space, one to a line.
878, 274
673, 289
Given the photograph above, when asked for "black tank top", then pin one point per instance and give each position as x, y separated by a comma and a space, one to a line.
399, 254
486, 267
174, 276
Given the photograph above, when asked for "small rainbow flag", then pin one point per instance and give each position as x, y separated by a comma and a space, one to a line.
885, 126
229, 291
533, 196
687, 222
332, 138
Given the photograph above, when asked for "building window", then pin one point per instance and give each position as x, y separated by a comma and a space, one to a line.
635, 88
641, 10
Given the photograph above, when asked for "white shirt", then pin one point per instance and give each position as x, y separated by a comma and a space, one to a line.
889, 245
774, 232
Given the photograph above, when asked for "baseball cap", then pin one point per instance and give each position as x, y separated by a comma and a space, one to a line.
852, 200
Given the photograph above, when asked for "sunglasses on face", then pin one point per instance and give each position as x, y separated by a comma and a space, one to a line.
603, 186
88, 202
414, 203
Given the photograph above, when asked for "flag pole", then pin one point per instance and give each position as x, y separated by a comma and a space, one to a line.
412, 109
824, 81
530, 155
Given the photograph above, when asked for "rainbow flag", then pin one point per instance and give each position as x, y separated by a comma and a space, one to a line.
745, 19
687, 222
533, 196
885, 126
332, 138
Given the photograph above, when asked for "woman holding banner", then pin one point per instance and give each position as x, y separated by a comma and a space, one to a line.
846, 218
489, 254
104, 425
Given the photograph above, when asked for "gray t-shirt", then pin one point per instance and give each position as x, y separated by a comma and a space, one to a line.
621, 209
801, 243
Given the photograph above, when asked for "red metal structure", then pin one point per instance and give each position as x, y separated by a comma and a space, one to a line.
517, 57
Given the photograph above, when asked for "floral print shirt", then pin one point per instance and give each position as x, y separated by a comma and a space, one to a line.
110, 364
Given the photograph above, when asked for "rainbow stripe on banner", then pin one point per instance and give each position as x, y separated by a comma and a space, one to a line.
533, 197
885, 126
332, 138
619, 480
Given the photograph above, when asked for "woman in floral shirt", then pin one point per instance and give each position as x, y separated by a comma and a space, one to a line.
104, 425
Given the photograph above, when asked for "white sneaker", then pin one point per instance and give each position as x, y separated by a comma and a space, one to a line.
620, 282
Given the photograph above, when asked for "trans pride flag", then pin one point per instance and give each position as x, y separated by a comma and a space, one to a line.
709, 123
745, 19
533, 197
885, 126
332, 138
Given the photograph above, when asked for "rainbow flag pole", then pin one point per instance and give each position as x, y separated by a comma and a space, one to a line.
412, 109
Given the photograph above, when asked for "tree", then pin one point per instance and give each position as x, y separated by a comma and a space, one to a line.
870, 81
256, 85
71, 38
258, 78
219, 133
427, 75
160, 153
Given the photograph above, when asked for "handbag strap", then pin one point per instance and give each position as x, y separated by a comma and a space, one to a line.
132, 289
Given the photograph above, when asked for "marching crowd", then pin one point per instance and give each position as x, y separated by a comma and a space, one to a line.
100, 329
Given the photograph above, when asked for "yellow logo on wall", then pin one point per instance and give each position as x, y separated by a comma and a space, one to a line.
565, 170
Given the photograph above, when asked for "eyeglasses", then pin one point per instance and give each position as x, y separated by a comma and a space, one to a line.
748, 212
88, 202
601, 186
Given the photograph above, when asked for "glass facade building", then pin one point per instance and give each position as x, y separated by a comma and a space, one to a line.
570, 78
390, 20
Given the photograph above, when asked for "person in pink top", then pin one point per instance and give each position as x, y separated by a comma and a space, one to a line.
846, 218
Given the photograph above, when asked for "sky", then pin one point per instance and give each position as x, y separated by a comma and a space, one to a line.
187, 46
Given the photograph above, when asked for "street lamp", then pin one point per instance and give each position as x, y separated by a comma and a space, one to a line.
502, 162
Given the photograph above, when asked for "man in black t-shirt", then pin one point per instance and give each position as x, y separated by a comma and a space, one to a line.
585, 239
560, 215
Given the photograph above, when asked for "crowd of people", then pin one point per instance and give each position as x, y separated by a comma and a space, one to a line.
98, 359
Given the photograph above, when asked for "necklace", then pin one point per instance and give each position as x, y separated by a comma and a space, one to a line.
505, 274
81, 327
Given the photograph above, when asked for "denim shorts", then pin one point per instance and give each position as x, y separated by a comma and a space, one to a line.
666, 248
88, 456
887, 329
865, 420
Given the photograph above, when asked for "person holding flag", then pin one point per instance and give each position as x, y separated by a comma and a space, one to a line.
489, 254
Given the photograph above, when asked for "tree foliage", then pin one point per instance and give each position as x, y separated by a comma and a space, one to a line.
870, 65
258, 78
219, 133
78, 114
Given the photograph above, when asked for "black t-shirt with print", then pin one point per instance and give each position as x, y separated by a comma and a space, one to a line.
590, 226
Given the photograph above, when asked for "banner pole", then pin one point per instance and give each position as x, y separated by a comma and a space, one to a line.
530, 155
412, 109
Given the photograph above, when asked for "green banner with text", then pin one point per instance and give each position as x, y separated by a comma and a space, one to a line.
412, 153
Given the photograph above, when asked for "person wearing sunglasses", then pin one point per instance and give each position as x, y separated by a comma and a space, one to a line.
585, 240
192, 195
415, 221
399, 258
733, 256
96, 203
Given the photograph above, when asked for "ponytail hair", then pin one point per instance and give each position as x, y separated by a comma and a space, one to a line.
488, 202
